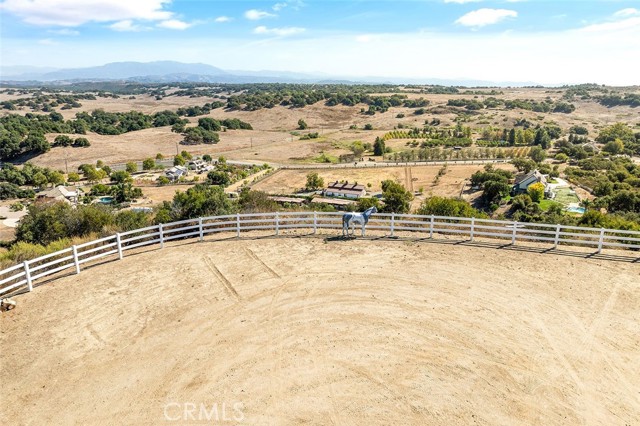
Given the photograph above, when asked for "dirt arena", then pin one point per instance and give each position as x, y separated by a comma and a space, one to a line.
321, 331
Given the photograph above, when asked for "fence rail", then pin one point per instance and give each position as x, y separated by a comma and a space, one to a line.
22, 276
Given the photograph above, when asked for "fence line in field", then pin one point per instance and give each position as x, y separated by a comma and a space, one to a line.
23, 276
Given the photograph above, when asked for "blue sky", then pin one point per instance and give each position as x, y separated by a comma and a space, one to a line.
543, 41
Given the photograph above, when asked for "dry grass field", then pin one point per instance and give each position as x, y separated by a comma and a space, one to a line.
312, 331
272, 139
416, 177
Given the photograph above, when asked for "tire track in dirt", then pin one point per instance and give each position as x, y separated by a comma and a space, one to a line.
229, 288
255, 257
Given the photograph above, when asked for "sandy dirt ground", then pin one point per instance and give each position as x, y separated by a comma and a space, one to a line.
324, 331
413, 178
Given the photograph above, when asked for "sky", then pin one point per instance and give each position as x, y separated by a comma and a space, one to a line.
540, 41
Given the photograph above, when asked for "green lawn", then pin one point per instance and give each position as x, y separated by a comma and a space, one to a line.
566, 196
546, 204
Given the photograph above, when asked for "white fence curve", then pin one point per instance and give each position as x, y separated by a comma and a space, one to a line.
22, 277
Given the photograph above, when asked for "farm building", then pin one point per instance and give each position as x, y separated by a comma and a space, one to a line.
288, 200
200, 166
176, 172
61, 193
337, 203
344, 190
523, 182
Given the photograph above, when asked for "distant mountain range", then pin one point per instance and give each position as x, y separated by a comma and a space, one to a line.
171, 71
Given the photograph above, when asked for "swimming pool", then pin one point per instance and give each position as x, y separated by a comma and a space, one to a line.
580, 210
105, 200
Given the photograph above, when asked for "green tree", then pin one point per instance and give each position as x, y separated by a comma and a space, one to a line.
396, 198
494, 190
179, 127
367, 202
40, 180
542, 138
538, 154
208, 123
523, 164
149, 164
357, 148
302, 125
379, 147
131, 167
255, 201
94, 175
55, 178
217, 177
512, 137
199, 201
121, 177
536, 192
314, 182
614, 147
62, 140
451, 207
179, 160
81, 143
128, 220
616, 131
125, 191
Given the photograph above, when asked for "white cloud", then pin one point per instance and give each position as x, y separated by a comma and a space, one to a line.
281, 32
462, 1
368, 38
482, 17
174, 24
65, 32
627, 12
47, 42
625, 24
221, 19
72, 13
126, 25
256, 15
279, 6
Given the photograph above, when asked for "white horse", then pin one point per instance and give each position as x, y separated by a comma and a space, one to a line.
349, 219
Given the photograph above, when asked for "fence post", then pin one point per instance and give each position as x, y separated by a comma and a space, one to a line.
200, 229
601, 240
393, 222
513, 235
556, 240
473, 223
238, 225
75, 258
27, 274
119, 242
160, 229
315, 223
277, 219
431, 223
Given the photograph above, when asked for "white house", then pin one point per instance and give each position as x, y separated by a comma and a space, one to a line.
344, 190
176, 172
69, 195
523, 182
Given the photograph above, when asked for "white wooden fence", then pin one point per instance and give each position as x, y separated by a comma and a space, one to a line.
24, 275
